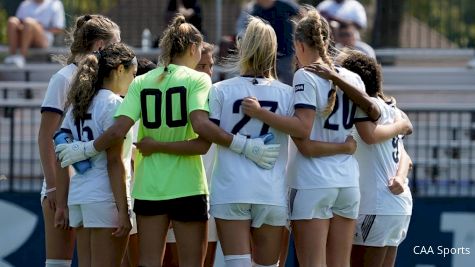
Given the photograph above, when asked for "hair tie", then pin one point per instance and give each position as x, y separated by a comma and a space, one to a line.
97, 54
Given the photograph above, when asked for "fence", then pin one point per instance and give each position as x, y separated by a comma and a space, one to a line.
442, 149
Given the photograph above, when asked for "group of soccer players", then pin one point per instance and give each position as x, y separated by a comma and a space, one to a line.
342, 207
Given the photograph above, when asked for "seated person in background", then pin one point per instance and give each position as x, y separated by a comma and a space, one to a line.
344, 12
35, 23
346, 36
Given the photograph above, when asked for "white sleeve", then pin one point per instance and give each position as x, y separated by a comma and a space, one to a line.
215, 104
21, 12
107, 115
305, 95
58, 18
56, 94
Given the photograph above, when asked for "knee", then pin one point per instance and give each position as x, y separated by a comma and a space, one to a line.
13, 21
30, 22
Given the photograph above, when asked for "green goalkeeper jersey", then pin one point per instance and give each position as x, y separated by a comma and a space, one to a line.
163, 107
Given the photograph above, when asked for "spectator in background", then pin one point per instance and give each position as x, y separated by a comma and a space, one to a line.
191, 9
35, 23
346, 36
345, 12
279, 14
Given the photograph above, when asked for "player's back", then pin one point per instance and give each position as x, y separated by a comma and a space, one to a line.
235, 178
332, 171
378, 163
94, 185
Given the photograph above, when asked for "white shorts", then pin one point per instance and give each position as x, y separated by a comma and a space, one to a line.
133, 217
259, 214
212, 232
322, 203
94, 215
381, 230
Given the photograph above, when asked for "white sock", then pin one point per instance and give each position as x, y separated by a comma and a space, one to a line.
238, 260
57, 263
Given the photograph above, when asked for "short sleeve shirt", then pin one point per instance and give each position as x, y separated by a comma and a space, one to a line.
163, 107
50, 13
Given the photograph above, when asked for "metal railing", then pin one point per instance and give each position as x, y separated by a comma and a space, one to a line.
442, 149
19, 156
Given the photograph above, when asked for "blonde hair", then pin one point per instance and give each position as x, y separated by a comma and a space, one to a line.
176, 39
207, 48
314, 31
91, 73
257, 50
87, 30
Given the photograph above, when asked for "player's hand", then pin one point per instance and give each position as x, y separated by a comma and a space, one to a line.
256, 149
396, 185
351, 145
321, 70
76, 151
404, 124
250, 106
124, 225
61, 218
51, 200
146, 146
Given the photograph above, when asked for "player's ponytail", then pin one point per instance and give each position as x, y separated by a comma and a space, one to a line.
83, 87
87, 30
91, 73
314, 31
176, 39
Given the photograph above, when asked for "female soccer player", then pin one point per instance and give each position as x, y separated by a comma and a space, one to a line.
386, 201
325, 196
172, 103
91, 33
171, 253
98, 200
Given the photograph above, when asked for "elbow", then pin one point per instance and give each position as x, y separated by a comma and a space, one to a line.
301, 133
204, 148
370, 140
374, 112
199, 126
305, 151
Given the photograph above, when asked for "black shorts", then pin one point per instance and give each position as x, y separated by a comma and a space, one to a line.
184, 209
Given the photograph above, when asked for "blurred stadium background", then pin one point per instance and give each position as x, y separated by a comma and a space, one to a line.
424, 46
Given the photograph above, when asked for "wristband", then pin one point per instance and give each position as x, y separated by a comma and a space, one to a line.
238, 143
49, 190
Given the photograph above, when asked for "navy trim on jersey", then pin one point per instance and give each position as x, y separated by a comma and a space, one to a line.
305, 106
377, 118
50, 109
215, 121
66, 130
363, 119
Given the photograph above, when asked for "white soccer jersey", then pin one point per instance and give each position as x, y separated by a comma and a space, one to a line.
378, 163
312, 91
235, 178
93, 185
58, 89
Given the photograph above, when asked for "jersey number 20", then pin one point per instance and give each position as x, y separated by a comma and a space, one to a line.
348, 115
